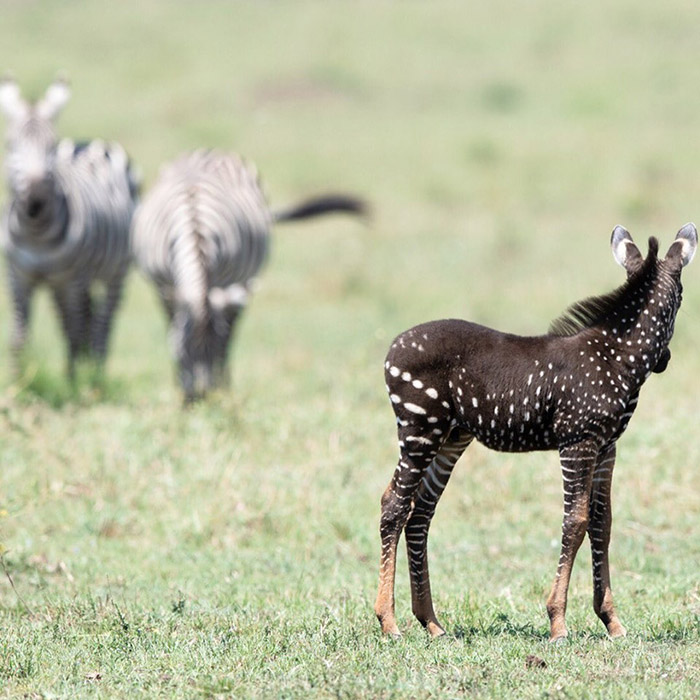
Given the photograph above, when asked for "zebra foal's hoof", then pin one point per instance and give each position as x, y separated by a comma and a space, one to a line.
616, 631
559, 637
435, 630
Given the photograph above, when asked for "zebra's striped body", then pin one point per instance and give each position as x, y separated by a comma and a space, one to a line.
201, 235
574, 390
67, 222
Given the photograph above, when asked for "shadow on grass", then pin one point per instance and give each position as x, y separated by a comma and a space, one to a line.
672, 630
221, 410
500, 624
90, 386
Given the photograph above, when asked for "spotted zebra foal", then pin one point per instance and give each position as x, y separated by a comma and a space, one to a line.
573, 390
201, 235
67, 221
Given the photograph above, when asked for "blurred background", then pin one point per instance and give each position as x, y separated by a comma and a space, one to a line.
496, 144
499, 144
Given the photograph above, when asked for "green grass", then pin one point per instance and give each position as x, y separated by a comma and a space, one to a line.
231, 550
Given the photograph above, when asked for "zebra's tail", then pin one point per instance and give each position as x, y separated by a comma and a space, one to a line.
323, 204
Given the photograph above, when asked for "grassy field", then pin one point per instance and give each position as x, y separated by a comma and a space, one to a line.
231, 550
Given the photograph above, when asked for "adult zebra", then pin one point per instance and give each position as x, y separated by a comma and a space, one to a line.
201, 235
67, 221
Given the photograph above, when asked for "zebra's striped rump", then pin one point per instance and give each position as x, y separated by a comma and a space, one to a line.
202, 235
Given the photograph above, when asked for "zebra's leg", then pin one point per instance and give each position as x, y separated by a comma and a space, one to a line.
224, 369
427, 496
21, 290
600, 522
179, 333
191, 339
178, 322
85, 314
181, 338
577, 464
102, 321
227, 305
223, 325
397, 502
70, 301
165, 294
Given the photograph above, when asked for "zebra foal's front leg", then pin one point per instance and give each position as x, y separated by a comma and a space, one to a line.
599, 526
427, 496
577, 465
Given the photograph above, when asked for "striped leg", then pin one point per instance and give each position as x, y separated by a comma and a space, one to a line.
397, 501
102, 321
224, 329
577, 465
427, 496
183, 338
72, 302
599, 534
179, 330
21, 295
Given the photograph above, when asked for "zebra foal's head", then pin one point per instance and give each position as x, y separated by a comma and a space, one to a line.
31, 148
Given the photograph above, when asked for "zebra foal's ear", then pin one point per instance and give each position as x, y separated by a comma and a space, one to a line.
684, 247
54, 99
625, 250
12, 104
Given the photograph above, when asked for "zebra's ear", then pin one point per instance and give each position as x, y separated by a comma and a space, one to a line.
54, 100
12, 104
684, 247
625, 250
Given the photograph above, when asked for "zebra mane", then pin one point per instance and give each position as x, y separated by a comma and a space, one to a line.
594, 310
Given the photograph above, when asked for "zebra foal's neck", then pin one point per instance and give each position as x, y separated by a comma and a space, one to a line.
628, 329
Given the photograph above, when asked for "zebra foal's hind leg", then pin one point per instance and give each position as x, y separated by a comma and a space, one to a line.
397, 502
577, 465
426, 498
599, 525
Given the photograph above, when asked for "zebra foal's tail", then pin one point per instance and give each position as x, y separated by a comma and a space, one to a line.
323, 204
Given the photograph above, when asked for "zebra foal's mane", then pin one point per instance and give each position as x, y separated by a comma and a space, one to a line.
594, 310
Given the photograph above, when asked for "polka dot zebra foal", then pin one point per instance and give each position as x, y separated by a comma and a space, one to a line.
573, 390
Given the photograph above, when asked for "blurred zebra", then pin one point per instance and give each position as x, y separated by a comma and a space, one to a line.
201, 235
67, 222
